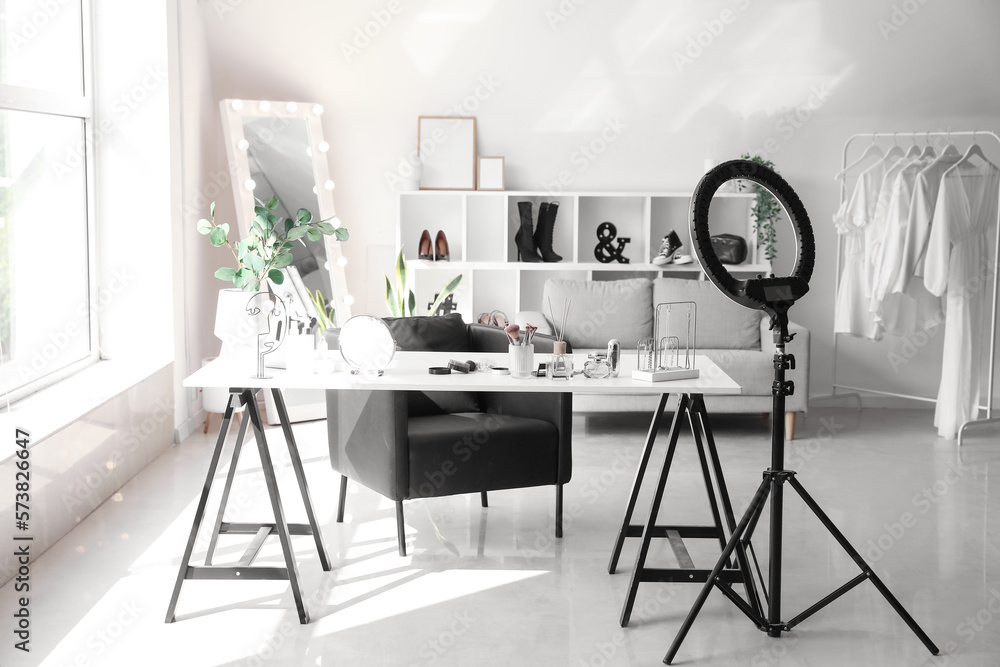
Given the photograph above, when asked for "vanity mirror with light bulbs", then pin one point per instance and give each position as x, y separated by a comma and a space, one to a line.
277, 149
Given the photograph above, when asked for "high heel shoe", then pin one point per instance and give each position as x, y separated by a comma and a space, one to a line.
524, 238
441, 252
543, 231
425, 250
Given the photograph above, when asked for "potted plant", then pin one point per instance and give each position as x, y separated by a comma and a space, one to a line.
765, 211
402, 302
247, 325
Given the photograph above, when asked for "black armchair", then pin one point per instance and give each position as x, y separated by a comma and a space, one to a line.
411, 444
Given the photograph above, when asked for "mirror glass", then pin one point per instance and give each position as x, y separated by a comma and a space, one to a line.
367, 344
280, 161
277, 149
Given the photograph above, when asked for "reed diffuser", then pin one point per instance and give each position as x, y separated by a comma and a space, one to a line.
560, 365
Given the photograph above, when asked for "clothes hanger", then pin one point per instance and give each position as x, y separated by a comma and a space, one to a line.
928, 151
871, 151
895, 151
949, 155
914, 150
972, 151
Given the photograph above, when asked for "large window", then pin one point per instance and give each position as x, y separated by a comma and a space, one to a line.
46, 314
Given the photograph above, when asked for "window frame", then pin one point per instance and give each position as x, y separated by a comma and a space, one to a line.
81, 107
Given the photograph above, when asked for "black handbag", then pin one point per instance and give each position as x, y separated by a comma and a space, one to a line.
730, 248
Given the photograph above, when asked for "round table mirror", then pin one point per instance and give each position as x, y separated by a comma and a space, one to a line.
367, 344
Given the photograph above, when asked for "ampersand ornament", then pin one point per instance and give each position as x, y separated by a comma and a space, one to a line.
605, 251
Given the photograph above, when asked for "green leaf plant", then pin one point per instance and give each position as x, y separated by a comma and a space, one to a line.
324, 311
268, 247
401, 301
766, 210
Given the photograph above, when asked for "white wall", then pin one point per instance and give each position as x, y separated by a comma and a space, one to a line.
198, 175
546, 78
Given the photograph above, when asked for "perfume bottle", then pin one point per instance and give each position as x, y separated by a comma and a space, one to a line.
597, 366
615, 356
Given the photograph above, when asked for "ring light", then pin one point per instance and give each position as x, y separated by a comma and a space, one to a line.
771, 294
774, 296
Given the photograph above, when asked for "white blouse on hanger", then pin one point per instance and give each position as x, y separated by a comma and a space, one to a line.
918, 227
895, 309
851, 314
959, 262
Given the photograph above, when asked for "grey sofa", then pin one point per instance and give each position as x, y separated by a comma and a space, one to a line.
736, 338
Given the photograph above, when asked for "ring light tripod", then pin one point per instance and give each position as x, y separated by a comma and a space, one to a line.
774, 296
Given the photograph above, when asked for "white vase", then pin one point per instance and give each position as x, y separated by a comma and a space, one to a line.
249, 324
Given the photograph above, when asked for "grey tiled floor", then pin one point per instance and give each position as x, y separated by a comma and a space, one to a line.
493, 587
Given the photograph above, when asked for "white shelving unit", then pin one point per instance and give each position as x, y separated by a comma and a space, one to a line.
480, 228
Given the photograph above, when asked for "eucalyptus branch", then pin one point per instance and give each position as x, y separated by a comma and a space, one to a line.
267, 247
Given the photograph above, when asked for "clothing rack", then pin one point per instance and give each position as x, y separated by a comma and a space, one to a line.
974, 134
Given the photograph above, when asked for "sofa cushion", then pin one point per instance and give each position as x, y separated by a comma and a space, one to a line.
602, 309
721, 324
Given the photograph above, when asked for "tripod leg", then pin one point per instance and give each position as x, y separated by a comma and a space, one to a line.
754, 509
647, 449
856, 557
654, 508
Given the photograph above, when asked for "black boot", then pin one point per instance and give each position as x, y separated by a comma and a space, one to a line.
526, 251
543, 230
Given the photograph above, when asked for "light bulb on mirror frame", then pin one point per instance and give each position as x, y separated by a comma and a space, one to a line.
315, 190
342, 261
243, 144
292, 107
318, 109
323, 146
249, 184
237, 105
309, 151
348, 300
329, 185
265, 106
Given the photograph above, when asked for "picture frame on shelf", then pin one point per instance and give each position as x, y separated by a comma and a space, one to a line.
446, 146
490, 173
